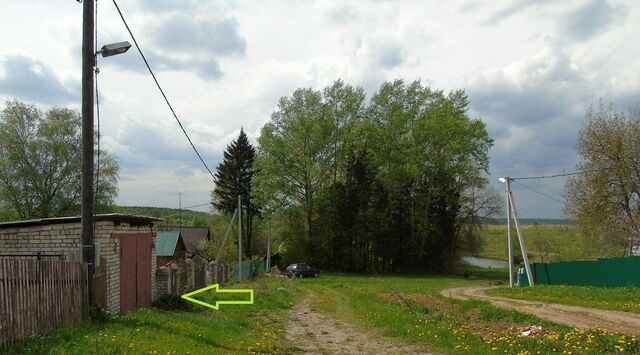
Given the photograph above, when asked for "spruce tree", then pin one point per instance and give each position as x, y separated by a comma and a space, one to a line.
233, 178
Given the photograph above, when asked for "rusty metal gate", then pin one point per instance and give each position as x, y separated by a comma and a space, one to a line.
135, 271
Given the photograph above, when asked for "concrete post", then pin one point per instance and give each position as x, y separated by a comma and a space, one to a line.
190, 284
162, 281
175, 279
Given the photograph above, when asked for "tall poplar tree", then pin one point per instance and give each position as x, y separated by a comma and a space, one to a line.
233, 178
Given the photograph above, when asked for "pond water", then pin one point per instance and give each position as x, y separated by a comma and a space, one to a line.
484, 263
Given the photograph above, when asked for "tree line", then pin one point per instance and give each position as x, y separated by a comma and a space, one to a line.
397, 182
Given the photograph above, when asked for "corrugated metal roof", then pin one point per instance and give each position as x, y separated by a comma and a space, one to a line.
166, 243
134, 220
190, 235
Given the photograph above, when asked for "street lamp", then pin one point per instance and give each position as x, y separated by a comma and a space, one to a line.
114, 49
88, 103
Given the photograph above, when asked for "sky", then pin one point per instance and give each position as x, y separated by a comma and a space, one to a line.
531, 70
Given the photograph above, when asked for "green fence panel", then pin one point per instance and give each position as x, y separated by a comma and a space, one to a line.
247, 269
609, 272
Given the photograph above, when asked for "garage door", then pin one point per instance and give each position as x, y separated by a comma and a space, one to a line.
135, 271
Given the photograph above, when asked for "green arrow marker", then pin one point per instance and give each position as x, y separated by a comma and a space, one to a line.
218, 303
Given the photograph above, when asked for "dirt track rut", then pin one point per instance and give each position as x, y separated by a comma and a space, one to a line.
581, 317
315, 332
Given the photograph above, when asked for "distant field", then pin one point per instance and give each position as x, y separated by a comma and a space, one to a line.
559, 242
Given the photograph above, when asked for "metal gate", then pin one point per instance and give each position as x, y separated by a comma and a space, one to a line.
135, 271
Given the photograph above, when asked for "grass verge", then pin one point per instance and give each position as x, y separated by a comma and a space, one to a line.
405, 308
614, 299
184, 329
410, 309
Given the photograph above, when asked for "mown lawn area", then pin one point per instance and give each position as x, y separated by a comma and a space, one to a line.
196, 330
554, 242
615, 299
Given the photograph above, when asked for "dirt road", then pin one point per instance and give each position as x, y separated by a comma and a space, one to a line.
581, 317
315, 332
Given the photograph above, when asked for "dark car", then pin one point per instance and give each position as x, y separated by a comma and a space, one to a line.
301, 270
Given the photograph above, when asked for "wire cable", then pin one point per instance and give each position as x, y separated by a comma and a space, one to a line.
539, 192
161, 90
95, 73
557, 175
200, 205
97, 98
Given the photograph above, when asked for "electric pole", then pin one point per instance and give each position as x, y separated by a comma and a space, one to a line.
509, 237
239, 237
269, 248
512, 212
180, 211
523, 249
87, 207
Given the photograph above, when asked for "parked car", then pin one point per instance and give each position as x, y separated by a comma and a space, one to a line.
301, 270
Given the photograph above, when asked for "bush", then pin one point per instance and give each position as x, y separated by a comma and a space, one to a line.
175, 303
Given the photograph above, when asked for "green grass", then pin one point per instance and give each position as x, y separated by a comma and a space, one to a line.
553, 242
444, 325
370, 303
615, 299
233, 329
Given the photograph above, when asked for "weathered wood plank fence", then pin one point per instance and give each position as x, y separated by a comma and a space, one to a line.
37, 296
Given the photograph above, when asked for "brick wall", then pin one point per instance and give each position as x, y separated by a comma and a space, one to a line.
64, 238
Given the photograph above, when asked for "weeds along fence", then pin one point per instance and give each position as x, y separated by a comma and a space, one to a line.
606, 272
37, 296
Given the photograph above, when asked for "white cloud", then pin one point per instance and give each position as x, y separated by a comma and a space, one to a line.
531, 69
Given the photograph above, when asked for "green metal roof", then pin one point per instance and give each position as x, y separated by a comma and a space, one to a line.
166, 243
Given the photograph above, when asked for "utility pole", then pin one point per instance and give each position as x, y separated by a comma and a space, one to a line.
87, 207
512, 212
180, 211
269, 247
509, 237
239, 237
523, 249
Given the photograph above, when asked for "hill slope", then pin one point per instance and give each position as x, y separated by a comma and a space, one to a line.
172, 216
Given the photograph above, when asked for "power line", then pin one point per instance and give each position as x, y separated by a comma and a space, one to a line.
160, 88
200, 205
539, 192
557, 175
96, 71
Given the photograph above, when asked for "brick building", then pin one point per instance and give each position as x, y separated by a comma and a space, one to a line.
125, 276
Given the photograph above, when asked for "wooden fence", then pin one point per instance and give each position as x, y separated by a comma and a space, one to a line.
37, 296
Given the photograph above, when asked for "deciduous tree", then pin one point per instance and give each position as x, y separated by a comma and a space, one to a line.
296, 156
606, 198
40, 163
